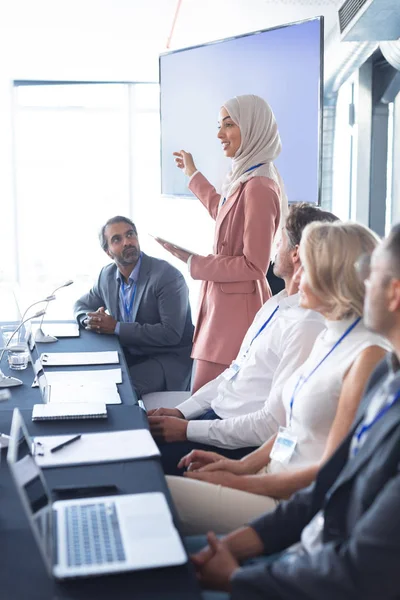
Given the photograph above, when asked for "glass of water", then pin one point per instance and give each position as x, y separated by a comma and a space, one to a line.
17, 350
18, 358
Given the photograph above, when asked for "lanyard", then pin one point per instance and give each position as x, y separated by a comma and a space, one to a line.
362, 429
127, 308
304, 380
262, 327
246, 171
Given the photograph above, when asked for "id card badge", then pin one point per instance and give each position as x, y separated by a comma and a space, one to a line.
230, 373
284, 446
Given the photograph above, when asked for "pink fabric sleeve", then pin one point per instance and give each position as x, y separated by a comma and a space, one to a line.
206, 193
261, 219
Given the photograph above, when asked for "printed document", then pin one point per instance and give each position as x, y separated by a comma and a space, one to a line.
62, 359
93, 448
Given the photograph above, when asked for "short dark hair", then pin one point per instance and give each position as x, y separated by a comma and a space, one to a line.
392, 245
112, 221
300, 215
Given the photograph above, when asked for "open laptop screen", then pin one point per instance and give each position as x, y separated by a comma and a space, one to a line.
30, 485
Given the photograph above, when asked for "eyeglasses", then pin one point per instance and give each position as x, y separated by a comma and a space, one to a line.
362, 266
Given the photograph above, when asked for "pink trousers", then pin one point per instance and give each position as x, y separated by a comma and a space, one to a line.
205, 371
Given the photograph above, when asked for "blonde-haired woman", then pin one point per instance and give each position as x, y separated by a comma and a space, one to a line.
247, 215
320, 398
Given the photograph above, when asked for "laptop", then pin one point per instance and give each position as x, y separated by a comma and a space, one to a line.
91, 536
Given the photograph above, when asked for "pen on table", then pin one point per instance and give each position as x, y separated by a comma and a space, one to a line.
141, 404
73, 439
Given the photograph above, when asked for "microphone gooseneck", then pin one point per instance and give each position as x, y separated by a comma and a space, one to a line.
48, 299
40, 336
6, 381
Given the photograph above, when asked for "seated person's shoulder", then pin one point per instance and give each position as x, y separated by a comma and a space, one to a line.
108, 271
163, 270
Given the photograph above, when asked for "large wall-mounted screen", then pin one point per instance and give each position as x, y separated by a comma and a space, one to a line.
283, 65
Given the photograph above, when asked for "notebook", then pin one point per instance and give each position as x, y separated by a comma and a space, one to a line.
57, 359
71, 410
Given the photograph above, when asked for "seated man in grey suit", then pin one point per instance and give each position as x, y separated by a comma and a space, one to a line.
340, 537
145, 301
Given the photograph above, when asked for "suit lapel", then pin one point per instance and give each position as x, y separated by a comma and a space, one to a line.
144, 275
114, 297
225, 209
377, 433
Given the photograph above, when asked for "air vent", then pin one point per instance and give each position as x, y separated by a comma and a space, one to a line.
369, 20
348, 11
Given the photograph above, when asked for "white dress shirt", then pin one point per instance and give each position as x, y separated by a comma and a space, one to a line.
244, 403
313, 411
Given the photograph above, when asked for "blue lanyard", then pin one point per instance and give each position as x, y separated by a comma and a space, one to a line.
262, 328
127, 308
362, 429
246, 171
304, 380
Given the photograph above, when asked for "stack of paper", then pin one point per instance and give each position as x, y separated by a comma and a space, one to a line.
62, 359
103, 377
92, 448
57, 329
92, 392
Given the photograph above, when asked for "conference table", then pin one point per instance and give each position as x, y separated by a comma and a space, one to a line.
23, 575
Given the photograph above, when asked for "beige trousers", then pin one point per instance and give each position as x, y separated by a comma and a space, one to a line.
204, 507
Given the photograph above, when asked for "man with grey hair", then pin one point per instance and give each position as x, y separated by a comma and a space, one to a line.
145, 302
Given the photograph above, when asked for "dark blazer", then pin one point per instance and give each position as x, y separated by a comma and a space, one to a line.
162, 326
360, 556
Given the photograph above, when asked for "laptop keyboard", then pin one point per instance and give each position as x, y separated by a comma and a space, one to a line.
93, 535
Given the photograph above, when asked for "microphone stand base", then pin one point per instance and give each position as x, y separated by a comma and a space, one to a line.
6, 382
42, 338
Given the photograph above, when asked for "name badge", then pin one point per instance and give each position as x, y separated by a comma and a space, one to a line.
230, 373
284, 446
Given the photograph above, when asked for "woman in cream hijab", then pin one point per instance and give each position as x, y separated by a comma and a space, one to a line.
248, 213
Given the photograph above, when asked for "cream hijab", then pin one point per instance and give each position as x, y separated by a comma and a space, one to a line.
261, 143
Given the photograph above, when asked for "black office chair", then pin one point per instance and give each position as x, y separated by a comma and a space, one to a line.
275, 283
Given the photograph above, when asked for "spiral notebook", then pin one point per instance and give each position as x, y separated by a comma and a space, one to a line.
72, 410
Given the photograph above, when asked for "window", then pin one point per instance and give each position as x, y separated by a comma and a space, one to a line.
77, 148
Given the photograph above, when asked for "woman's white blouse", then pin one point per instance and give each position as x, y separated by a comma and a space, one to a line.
316, 401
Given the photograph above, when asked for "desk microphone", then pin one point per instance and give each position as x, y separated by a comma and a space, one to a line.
48, 299
40, 336
6, 381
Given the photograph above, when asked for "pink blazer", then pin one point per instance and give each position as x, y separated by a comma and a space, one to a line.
234, 277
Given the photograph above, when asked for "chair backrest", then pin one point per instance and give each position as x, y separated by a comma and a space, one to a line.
275, 283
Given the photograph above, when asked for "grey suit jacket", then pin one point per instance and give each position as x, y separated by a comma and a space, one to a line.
162, 326
360, 556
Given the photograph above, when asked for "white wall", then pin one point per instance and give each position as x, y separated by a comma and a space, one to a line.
117, 40
112, 40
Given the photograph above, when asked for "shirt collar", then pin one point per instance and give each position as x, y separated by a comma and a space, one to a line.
286, 301
134, 276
